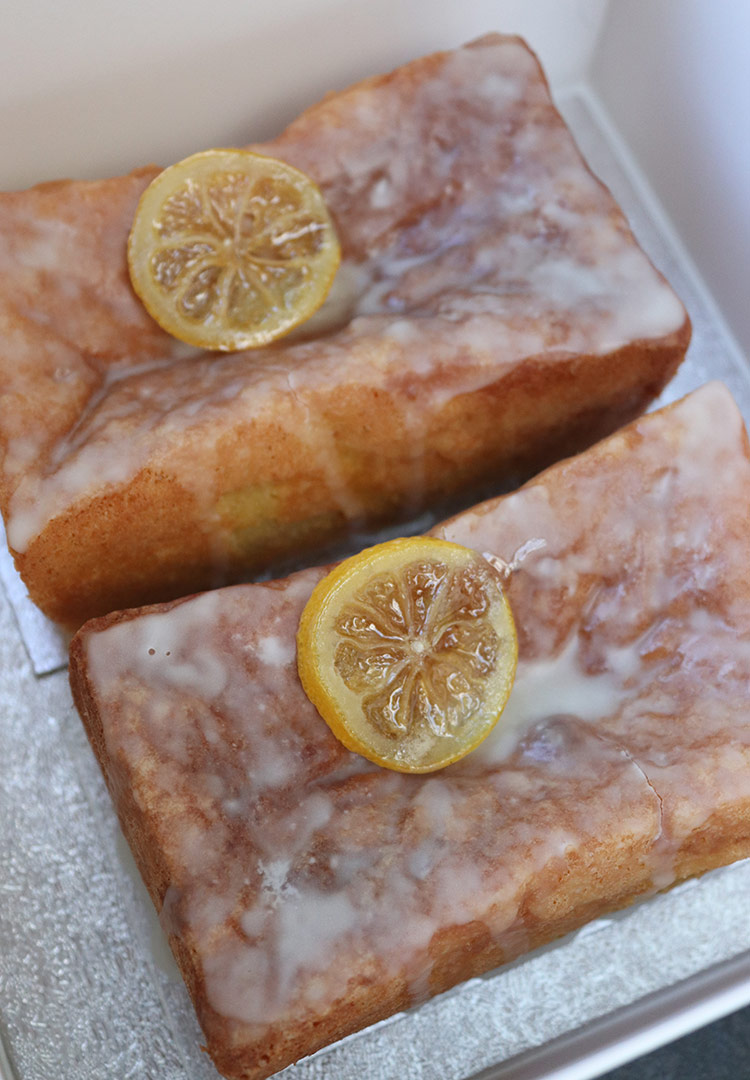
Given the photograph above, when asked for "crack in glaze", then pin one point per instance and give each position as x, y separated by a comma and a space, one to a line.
663, 876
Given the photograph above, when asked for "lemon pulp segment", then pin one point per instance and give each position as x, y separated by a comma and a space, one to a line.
408, 651
230, 249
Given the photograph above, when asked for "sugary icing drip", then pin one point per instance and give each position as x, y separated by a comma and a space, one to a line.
474, 236
304, 871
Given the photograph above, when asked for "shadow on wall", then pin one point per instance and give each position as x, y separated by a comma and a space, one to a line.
685, 117
93, 119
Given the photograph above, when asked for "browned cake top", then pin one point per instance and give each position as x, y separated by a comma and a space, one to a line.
299, 872
473, 234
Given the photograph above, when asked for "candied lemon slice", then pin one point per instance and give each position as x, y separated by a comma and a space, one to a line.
230, 249
408, 651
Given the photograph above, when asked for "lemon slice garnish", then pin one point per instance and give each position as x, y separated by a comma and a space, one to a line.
408, 651
230, 249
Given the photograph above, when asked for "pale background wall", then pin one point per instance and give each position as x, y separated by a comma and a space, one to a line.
675, 77
93, 87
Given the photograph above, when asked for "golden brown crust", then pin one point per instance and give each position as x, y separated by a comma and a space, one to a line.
512, 428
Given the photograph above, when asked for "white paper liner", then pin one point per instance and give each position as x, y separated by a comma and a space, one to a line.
45, 643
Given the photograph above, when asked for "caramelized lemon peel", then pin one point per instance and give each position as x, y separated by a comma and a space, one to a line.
230, 249
408, 651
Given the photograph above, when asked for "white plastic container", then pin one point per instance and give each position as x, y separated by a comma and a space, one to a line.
657, 93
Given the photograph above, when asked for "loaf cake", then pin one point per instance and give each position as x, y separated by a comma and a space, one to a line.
307, 892
492, 313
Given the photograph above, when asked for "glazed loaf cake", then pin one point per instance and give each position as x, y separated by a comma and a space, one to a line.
306, 892
492, 313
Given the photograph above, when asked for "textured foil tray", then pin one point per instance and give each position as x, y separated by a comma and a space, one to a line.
88, 989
